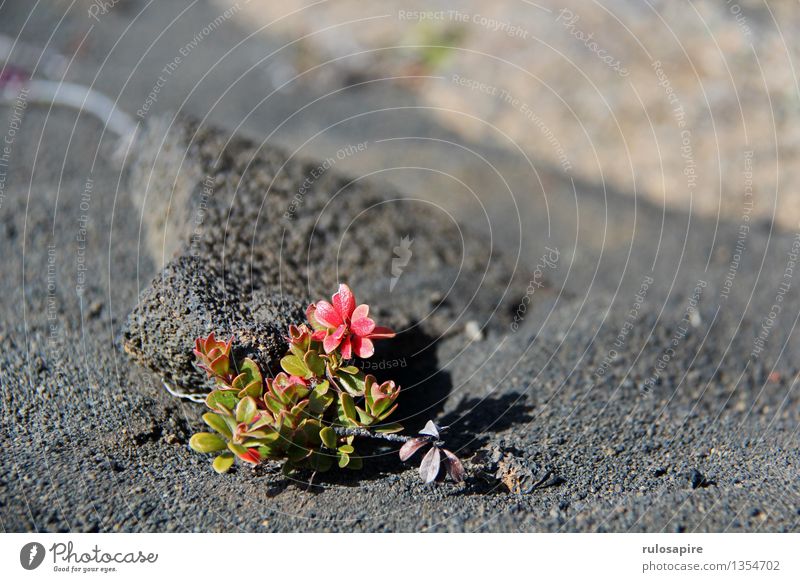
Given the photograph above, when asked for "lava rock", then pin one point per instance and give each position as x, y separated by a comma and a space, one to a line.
697, 479
255, 234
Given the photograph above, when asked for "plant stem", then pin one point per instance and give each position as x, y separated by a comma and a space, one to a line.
366, 433
332, 381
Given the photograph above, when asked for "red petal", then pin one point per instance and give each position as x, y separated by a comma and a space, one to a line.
362, 326
327, 315
347, 351
361, 311
363, 347
381, 333
319, 335
340, 332
344, 301
333, 340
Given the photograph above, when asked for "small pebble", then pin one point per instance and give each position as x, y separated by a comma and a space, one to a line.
171, 439
697, 479
473, 331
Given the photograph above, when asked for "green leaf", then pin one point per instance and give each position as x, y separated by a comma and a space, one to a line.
347, 449
246, 410
223, 463
238, 450
344, 459
328, 436
297, 409
388, 413
222, 400
268, 437
352, 383
218, 423
352, 370
251, 369
273, 404
269, 452
296, 350
380, 405
320, 461
297, 453
299, 391
355, 464
315, 364
254, 442
311, 429
295, 366
221, 365
254, 389
207, 442
365, 417
319, 400
264, 421
347, 410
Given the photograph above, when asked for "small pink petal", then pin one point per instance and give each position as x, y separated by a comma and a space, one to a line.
319, 335
361, 311
327, 315
363, 347
340, 332
344, 301
381, 333
362, 326
346, 348
331, 342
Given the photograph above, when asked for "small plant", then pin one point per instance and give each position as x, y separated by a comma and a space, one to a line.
310, 414
432, 461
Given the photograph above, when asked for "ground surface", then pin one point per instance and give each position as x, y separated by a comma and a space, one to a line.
635, 371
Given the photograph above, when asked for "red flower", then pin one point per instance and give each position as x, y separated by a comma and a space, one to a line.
345, 326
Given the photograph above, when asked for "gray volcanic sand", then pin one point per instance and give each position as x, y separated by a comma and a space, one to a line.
649, 415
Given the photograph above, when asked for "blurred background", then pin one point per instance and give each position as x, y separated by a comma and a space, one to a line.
691, 105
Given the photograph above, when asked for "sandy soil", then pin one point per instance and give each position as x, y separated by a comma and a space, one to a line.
645, 370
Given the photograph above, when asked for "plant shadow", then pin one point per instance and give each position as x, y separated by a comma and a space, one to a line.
475, 419
412, 362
